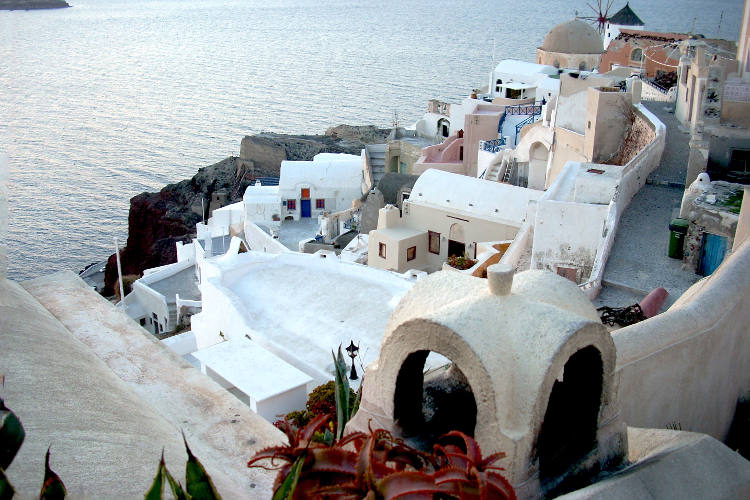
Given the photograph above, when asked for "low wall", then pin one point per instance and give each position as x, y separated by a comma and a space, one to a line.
690, 364
260, 241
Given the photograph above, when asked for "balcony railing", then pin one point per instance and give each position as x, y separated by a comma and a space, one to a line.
492, 146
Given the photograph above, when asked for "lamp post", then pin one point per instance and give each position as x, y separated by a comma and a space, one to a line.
353, 350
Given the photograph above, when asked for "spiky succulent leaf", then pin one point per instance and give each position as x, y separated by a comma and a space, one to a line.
342, 393
11, 435
155, 492
499, 487
286, 490
6, 489
53, 487
177, 492
197, 482
412, 484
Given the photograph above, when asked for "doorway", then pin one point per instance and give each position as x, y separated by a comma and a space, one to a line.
304, 202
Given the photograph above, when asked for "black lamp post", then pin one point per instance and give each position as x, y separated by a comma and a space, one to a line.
353, 350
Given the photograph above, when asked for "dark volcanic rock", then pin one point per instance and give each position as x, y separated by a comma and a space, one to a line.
157, 220
32, 4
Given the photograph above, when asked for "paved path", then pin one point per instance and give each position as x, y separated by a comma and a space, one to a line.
638, 262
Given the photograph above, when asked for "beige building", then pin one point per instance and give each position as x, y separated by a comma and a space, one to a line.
573, 44
446, 214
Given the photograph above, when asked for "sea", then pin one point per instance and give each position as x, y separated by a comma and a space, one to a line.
110, 98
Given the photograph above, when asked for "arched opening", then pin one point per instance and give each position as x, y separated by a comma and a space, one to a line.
427, 404
582, 66
538, 155
568, 432
636, 55
444, 127
456, 240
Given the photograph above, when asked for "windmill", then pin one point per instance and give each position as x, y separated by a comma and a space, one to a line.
601, 14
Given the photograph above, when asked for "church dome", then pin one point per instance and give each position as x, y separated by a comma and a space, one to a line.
573, 37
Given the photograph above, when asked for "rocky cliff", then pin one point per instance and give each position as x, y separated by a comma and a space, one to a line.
32, 4
157, 220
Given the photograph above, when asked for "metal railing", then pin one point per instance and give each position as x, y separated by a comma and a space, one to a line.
268, 181
524, 109
492, 146
519, 126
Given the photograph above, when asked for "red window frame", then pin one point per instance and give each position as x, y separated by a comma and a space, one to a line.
291, 204
320, 203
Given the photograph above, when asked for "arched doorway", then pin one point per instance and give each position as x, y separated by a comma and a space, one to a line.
538, 155
568, 432
429, 404
456, 240
443, 126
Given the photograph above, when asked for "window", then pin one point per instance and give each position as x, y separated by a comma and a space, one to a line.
320, 204
291, 204
381, 250
434, 246
636, 55
411, 253
305, 194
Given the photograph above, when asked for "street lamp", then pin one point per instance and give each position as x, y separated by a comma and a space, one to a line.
353, 350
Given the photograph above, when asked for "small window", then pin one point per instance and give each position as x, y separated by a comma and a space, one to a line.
155, 316
636, 55
143, 321
411, 253
320, 204
434, 246
381, 250
291, 204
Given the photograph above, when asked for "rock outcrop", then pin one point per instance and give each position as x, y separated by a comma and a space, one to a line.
157, 220
32, 4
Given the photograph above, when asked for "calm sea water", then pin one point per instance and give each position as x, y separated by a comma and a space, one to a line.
109, 98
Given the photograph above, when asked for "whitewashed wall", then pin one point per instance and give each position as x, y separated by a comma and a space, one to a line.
261, 241
690, 364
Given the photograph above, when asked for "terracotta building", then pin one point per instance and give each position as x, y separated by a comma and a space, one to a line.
647, 53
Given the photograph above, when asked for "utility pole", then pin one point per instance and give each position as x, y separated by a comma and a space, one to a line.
119, 271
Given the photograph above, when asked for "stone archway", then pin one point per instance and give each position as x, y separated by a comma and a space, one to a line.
428, 405
568, 431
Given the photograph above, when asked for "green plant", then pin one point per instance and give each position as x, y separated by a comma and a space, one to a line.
12, 435
462, 262
198, 484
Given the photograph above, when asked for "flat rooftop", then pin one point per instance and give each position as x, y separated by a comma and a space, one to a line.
292, 232
303, 306
269, 377
182, 283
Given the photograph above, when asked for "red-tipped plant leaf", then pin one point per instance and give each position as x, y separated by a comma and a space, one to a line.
500, 487
53, 487
408, 484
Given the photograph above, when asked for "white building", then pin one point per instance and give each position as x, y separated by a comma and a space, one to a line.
446, 214
521, 80
328, 183
623, 18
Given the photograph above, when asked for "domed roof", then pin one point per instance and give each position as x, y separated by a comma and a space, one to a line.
573, 37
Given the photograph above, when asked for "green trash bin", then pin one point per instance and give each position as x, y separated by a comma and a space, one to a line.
677, 231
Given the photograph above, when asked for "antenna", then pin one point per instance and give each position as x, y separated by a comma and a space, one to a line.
721, 18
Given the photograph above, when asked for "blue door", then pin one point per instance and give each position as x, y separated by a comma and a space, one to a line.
713, 252
305, 206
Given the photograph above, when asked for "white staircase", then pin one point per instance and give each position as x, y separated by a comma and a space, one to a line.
376, 158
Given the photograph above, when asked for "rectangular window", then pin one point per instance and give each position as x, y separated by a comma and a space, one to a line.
291, 204
381, 250
411, 253
320, 204
434, 246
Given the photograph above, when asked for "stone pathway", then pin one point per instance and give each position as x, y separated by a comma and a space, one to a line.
638, 262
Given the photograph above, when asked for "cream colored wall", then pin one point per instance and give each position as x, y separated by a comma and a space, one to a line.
477, 127
395, 252
568, 147
456, 168
743, 224
735, 113
608, 121
689, 365
440, 221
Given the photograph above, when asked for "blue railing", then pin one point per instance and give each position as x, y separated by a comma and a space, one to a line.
268, 181
524, 109
519, 126
492, 146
